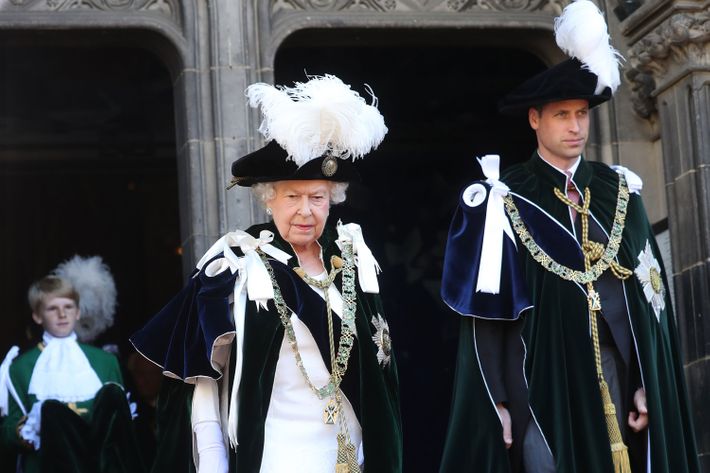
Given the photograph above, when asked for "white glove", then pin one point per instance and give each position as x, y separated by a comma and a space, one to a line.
211, 450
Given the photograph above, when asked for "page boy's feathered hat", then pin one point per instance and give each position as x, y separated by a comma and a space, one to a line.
93, 280
317, 129
591, 73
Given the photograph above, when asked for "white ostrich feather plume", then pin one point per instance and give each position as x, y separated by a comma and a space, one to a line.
581, 32
318, 116
93, 281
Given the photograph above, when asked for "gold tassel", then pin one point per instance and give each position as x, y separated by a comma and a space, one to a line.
619, 451
347, 458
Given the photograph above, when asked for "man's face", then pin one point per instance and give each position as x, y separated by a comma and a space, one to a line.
57, 315
562, 129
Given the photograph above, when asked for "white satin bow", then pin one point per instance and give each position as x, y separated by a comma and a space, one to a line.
251, 268
497, 223
367, 266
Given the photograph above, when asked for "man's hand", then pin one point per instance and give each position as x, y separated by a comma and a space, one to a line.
506, 422
638, 420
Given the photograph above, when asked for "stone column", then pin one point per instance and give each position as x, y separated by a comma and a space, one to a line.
670, 69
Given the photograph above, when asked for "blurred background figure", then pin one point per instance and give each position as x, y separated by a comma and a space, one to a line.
63, 403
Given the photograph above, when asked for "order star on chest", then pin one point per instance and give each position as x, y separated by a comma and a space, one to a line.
382, 340
648, 273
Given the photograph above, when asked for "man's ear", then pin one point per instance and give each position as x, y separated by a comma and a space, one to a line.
36, 318
533, 118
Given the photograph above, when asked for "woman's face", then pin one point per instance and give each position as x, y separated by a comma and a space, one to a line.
300, 210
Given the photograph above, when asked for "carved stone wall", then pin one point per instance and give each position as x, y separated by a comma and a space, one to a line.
677, 45
453, 6
669, 57
170, 8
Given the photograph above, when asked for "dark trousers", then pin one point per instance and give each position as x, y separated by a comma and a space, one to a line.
106, 443
536, 454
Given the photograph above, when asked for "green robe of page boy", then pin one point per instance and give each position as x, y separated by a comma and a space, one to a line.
104, 364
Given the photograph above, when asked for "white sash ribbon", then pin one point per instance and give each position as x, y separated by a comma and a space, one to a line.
6, 387
253, 283
497, 223
632, 179
367, 266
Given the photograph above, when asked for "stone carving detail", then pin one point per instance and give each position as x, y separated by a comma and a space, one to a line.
454, 6
166, 7
681, 40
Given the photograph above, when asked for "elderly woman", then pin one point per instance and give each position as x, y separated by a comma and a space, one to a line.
280, 328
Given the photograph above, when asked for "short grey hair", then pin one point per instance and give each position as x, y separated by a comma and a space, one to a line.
265, 191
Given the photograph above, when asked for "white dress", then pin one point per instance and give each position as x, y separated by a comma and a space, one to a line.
295, 438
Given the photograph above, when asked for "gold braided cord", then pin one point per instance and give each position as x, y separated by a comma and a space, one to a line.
592, 252
608, 255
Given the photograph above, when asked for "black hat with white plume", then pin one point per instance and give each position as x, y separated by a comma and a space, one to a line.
317, 129
591, 73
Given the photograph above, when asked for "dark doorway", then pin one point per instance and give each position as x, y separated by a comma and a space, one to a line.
438, 92
87, 166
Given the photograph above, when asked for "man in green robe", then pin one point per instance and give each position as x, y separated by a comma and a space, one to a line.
568, 356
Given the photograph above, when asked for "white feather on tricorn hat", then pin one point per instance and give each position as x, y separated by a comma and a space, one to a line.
591, 72
317, 129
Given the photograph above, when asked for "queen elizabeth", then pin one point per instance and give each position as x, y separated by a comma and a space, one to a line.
280, 328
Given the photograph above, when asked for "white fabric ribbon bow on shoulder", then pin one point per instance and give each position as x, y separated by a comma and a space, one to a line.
253, 283
252, 271
632, 179
489, 269
367, 266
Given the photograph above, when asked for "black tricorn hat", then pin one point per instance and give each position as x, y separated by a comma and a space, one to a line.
271, 164
565, 81
591, 73
315, 130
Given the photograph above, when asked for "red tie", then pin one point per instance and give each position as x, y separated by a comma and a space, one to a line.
572, 194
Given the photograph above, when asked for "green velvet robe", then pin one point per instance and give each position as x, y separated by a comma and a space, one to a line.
107, 370
559, 362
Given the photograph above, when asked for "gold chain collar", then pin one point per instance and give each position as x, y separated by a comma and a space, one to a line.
607, 256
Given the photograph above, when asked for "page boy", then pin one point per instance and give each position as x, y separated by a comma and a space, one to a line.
67, 410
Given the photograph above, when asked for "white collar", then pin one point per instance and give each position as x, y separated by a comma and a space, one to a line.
48, 338
63, 372
572, 169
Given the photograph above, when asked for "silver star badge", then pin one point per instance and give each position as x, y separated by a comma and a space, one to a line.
382, 340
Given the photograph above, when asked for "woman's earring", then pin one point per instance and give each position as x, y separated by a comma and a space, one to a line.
268, 211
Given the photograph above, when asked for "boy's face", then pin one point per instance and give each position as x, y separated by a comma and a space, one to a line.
57, 315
